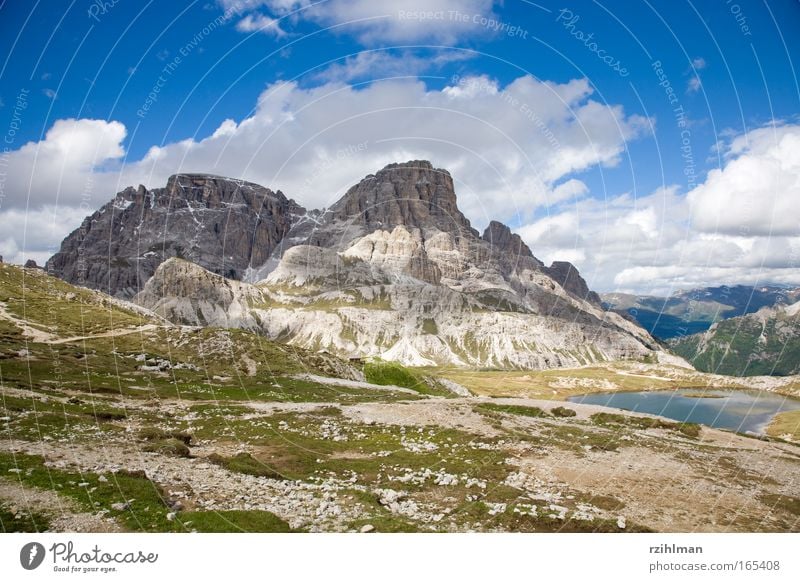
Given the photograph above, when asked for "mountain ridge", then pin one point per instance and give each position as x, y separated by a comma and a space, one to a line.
393, 270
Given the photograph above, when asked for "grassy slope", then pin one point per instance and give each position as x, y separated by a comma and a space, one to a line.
744, 347
560, 384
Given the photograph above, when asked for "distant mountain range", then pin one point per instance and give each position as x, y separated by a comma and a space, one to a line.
766, 342
393, 270
694, 311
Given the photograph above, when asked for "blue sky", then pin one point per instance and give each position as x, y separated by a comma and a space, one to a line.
574, 141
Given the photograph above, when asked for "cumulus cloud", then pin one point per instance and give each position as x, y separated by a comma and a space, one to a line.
384, 21
758, 189
383, 64
61, 169
36, 234
511, 148
260, 23
741, 225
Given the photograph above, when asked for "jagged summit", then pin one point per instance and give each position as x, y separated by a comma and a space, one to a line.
413, 194
503, 240
224, 225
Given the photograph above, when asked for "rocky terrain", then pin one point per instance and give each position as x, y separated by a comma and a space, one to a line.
222, 224
114, 419
766, 342
395, 270
694, 311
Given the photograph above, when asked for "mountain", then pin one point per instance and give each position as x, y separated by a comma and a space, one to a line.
766, 342
221, 224
395, 270
694, 311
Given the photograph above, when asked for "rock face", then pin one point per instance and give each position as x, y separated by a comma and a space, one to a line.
766, 342
221, 224
395, 270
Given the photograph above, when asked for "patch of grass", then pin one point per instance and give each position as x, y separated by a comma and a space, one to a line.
785, 423
147, 502
170, 447
641, 422
234, 522
390, 373
575, 439
563, 412
152, 433
21, 520
532, 411
429, 326
784, 502
245, 463
393, 374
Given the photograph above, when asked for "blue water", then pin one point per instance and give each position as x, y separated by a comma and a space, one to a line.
737, 410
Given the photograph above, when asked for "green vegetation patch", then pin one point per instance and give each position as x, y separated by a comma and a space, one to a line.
563, 412
532, 411
640, 422
393, 374
170, 447
245, 463
234, 522
784, 502
145, 503
16, 520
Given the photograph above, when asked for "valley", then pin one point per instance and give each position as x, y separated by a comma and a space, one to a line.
114, 419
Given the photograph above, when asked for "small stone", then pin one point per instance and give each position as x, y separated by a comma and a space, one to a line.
120, 506
171, 516
367, 528
102, 479
621, 522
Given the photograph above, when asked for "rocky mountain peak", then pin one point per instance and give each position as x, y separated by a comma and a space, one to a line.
413, 194
567, 275
224, 225
504, 241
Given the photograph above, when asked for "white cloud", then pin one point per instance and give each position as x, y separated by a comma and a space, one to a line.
758, 189
510, 148
383, 64
498, 144
260, 23
694, 85
742, 225
384, 21
699, 63
63, 167
36, 234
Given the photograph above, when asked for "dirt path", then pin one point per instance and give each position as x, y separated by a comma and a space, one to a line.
40, 336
